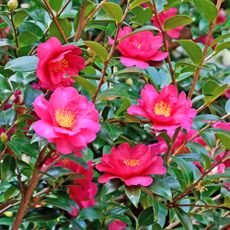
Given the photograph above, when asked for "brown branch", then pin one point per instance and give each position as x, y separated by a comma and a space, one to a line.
83, 21
164, 36
189, 189
55, 20
207, 42
36, 175
202, 206
106, 63
15, 32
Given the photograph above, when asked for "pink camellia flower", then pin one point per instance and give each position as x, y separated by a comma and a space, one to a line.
68, 119
117, 225
133, 165
174, 33
221, 17
57, 64
202, 39
166, 110
140, 48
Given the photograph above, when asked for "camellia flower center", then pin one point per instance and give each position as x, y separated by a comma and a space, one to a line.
64, 118
61, 65
161, 108
131, 162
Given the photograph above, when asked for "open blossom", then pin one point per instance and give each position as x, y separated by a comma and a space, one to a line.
68, 119
166, 110
133, 165
140, 48
117, 225
57, 64
174, 33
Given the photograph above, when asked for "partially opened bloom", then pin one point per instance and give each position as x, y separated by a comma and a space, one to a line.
57, 64
68, 119
117, 225
163, 16
166, 110
140, 48
133, 165
221, 17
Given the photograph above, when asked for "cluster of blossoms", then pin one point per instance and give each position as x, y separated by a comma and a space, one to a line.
70, 121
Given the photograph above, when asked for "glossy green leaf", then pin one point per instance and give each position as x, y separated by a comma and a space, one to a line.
133, 193
227, 106
6, 42
184, 218
207, 8
114, 10
7, 117
224, 138
76, 159
27, 38
220, 38
30, 95
137, 3
146, 217
222, 46
7, 167
212, 90
98, 49
56, 5
193, 50
19, 17
86, 84
175, 21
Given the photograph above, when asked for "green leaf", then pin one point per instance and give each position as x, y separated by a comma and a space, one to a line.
133, 193
207, 8
218, 176
178, 20
146, 217
98, 49
6, 42
220, 38
23, 64
159, 187
193, 50
114, 10
227, 106
19, 17
27, 38
42, 215
137, 3
56, 5
7, 167
113, 131
184, 218
222, 46
76, 159
30, 95
7, 117
87, 85
65, 25
224, 138
212, 90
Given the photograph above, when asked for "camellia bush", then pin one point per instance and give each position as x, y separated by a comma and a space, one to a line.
114, 114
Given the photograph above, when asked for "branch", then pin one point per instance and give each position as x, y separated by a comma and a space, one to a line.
55, 20
15, 31
164, 36
106, 63
188, 190
30, 189
197, 73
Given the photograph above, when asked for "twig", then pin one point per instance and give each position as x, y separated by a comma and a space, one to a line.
164, 36
106, 63
188, 190
202, 206
15, 32
30, 189
55, 20
207, 42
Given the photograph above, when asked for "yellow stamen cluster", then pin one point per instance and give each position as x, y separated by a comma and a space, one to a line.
131, 162
60, 66
64, 118
161, 108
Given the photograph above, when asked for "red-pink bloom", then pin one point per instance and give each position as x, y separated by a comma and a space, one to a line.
202, 39
133, 165
68, 119
117, 225
227, 93
57, 64
174, 33
140, 48
221, 17
166, 110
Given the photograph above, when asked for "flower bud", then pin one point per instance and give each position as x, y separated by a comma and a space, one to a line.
3, 137
12, 5
8, 214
